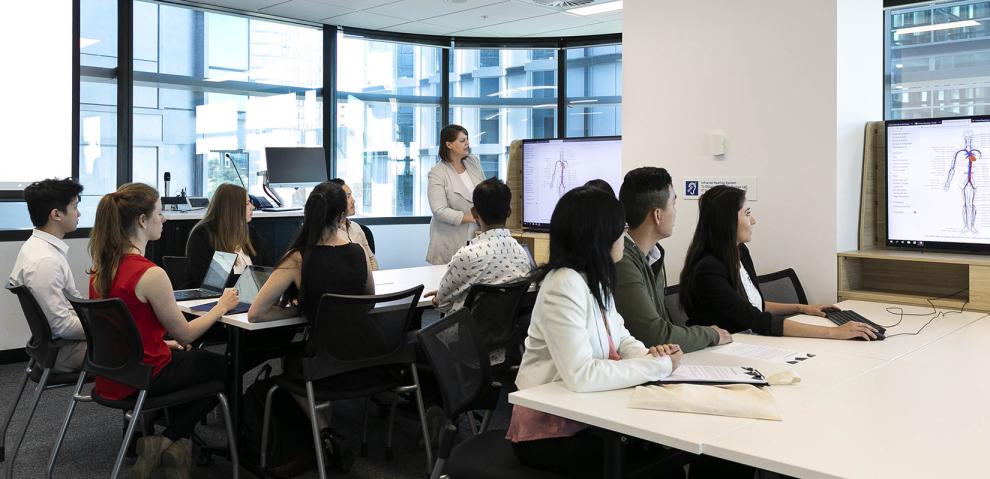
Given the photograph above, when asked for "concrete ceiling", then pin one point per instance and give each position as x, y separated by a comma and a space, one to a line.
467, 18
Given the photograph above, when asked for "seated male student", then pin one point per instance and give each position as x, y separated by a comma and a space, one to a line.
491, 257
43, 267
648, 198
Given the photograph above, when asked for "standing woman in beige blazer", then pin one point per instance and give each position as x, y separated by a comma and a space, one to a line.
451, 185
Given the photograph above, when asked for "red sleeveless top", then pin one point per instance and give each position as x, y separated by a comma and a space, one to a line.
156, 352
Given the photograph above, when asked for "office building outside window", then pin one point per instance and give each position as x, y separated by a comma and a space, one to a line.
388, 123
212, 90
936, 60
594, 91
501, 95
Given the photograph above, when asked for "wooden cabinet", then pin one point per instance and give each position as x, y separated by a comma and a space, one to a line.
915, 277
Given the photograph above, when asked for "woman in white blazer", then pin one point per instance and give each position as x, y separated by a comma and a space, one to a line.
451, 184
576, 336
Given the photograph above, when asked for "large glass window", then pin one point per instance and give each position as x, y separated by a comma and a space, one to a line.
501, 95
212, 90
936, 60
388, 123
594, 91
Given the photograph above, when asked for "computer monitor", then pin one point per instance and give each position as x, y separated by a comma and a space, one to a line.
938, 183
296, 167
551, 168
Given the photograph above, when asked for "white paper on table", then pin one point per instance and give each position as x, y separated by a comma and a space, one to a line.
714, 374
765, 353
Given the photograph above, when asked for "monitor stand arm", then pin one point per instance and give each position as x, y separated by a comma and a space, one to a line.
269, 191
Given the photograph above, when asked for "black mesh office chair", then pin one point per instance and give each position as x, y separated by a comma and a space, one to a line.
42, 350
355, 349
456, 349
177, 269
782, 287
495, 309
672, 300
114, 351
368, 235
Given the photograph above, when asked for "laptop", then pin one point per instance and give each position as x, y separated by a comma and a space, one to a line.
216, 278
247, 286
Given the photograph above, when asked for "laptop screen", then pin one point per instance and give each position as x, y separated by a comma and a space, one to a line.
220, 267
251, 281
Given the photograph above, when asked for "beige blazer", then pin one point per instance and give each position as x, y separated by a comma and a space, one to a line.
449, 201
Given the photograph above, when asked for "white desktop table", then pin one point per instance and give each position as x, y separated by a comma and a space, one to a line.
923, 415
859, 368
386, 281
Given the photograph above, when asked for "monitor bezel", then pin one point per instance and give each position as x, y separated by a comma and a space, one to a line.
295, 184
538, 226
921, 245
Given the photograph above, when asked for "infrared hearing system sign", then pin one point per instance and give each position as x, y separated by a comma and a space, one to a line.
696, 186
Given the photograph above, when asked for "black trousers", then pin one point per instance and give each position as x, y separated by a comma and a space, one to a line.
188, 368
582, 455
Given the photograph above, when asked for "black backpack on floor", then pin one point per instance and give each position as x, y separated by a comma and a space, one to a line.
290, 440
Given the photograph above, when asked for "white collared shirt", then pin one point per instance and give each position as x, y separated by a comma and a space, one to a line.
492, 257
654, 254
752, 294
43, 266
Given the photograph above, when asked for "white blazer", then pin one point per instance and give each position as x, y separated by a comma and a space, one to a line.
449, 201
567, 341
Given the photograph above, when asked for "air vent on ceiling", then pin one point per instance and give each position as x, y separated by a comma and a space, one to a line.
563, 4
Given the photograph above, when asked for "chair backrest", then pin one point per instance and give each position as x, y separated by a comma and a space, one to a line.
672, 300
455, 348
357, 332
368, 236
495, 309
41, 348
177, 269
113, 344
782, 287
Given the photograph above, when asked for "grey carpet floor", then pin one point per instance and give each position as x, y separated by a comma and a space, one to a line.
95, 434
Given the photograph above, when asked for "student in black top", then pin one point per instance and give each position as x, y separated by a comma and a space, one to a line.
318, 261
718, 280
225, 227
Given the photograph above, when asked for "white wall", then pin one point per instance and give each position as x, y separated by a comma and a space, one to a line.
401, 246
769, 74
14, 331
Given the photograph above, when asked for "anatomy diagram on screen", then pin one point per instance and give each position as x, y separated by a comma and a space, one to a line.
969, 157
559, 177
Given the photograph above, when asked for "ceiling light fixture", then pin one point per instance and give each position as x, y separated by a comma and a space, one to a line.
936, 27
596, 9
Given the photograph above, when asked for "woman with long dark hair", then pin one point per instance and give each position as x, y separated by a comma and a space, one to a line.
126, 220
451, 183
320, 260
225, 227
577, 336
718, 280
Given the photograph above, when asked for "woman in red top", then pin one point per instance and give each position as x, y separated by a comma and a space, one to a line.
125, 221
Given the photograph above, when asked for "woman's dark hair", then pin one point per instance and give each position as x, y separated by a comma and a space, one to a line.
583, 228
716, 235
325, 208
52, 194
449, 133
117, 217
601, 185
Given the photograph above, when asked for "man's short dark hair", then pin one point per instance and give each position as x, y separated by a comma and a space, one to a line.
643, 190
491, 199
44, 196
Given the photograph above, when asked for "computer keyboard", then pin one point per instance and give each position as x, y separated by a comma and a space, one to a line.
843, 317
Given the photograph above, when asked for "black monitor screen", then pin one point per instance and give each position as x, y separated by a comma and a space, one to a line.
296, 166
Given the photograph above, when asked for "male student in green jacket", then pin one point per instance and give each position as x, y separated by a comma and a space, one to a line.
649, 200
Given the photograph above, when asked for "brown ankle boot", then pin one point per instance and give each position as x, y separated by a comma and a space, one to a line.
149, 456
177, 459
